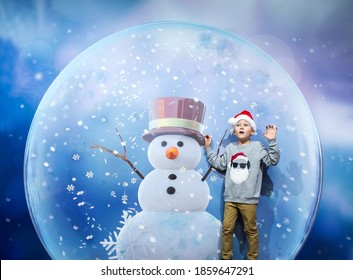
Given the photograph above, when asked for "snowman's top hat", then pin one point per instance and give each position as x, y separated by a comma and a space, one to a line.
176, 115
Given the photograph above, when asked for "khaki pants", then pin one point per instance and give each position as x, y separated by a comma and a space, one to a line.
248, 213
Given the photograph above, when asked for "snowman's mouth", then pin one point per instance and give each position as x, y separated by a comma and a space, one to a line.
170, 190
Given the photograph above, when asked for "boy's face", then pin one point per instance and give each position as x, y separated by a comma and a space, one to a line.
243, 130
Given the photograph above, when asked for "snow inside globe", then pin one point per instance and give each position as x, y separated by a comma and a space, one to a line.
115, 166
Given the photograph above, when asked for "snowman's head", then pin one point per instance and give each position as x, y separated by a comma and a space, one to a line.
174, 152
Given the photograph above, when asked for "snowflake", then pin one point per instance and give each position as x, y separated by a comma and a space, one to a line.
200, 170
133, 117
80, 193
76, 157
213, 179
70, 187
89, 174
81, 203
124, 199
133, 180
253, 104
126, 217
113, 194
112, 245
66, 107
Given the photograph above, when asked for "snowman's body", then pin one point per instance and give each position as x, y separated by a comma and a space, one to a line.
155, 235
173, 191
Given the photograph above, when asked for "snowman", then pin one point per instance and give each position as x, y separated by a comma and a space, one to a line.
173, 223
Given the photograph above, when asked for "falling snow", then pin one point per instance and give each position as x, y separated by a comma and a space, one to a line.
70, 187
76, 157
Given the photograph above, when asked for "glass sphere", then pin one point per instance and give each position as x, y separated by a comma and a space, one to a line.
81, 190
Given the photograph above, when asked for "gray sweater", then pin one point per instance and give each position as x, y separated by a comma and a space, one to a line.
244, 166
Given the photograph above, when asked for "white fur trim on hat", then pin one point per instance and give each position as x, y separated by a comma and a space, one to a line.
244, 115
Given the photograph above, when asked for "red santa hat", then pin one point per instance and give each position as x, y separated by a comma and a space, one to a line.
238, 155
244, 115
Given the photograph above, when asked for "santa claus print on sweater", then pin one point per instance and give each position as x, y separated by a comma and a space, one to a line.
239, 168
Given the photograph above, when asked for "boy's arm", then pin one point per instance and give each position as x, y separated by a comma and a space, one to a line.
272, 155
217, 161
208, 140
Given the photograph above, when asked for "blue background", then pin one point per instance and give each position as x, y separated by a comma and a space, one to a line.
312, 40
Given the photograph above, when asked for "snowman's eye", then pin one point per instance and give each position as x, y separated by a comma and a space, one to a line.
164, 143
180, 144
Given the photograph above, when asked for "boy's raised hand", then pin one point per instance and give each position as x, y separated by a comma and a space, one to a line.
271, 131
208, 140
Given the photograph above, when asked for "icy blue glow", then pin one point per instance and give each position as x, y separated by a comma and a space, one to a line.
80, 198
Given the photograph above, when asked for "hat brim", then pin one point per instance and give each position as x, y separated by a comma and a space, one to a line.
234, 121
149, 136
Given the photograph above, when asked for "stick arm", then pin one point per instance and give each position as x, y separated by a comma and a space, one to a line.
218, 149
121, 156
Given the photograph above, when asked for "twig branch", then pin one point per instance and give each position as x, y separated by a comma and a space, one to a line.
116, 153
218, 149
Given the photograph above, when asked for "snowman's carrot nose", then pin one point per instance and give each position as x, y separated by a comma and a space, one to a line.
172, 153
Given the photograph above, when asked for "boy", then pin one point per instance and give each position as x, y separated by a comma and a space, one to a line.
243, 162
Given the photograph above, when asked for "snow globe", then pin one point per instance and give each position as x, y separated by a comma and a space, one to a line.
99, 135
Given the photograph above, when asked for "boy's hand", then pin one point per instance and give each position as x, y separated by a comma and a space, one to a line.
208, 140
271, 131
